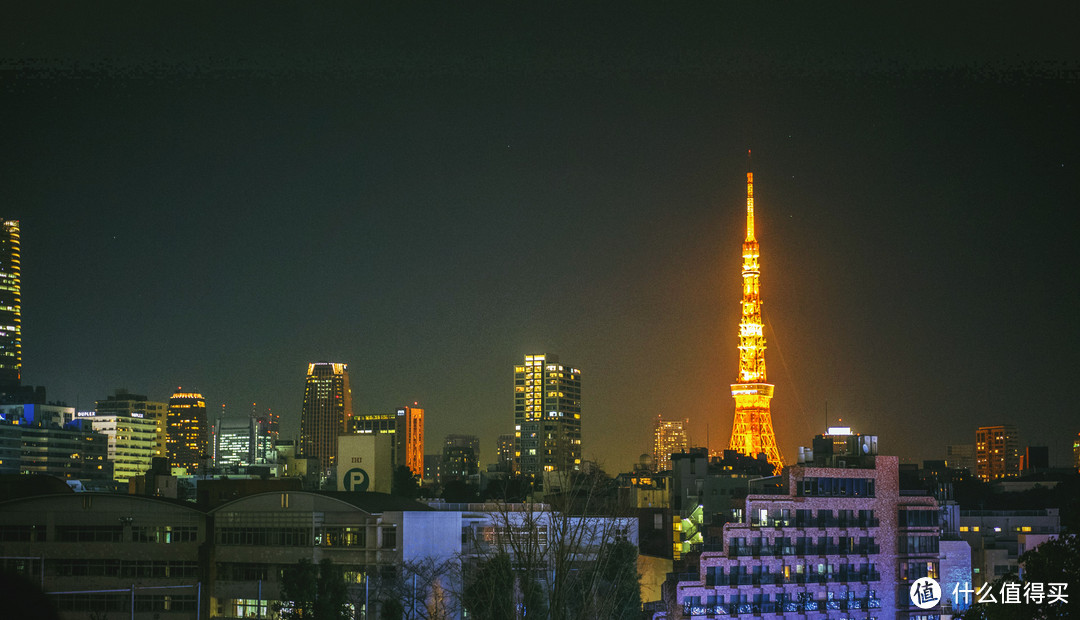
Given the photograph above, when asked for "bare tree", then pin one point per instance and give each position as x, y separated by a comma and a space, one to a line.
570, 557
425, 589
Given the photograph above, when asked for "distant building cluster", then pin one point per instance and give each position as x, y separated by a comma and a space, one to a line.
163, 510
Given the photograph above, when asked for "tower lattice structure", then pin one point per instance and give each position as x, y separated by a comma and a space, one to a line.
752, 432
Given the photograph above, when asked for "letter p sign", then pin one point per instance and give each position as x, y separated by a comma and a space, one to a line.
356, 479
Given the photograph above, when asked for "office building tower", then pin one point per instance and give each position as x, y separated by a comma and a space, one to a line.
472, 442
406, 424
669, 437
266, 435
547, 416
131, 429
997, 452
326, 413
461, 456
752, 432
69, 453
124, 403
234, 442
10, 308
188, 435
413, 422
504, 450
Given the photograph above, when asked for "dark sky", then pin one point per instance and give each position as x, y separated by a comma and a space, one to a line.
213, 197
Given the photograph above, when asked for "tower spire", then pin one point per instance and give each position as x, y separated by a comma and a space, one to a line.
752, 433
749, 201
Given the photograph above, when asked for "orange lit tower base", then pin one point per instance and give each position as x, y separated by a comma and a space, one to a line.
752, 432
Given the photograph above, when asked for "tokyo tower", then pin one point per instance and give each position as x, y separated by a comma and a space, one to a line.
752, 432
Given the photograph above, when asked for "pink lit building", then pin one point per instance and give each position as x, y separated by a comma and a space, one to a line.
841, 541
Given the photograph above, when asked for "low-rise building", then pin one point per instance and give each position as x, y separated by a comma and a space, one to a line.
999, 537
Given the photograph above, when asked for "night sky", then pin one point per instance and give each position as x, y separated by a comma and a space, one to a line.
212, 197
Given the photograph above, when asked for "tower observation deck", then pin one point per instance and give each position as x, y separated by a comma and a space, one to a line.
752, 432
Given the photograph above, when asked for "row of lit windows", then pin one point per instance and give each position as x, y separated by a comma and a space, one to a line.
975, 528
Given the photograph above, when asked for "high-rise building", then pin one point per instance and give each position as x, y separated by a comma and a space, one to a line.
326, 413
471, 442
669, 437
234, 442
64, 452
10, 308
997, 452
188, 435
406, 424
752, 432
504, 451
413, 422
460, 456
266, 435
135, 427
124, 403
547, 416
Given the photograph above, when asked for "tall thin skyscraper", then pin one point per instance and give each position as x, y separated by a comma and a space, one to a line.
188, 435
547, 416
752, 432
10, 308
326, 413
669, 437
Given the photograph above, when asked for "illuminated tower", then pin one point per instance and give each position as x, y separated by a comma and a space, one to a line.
326, 413
547, 416
188, 436
752, 432
10, 307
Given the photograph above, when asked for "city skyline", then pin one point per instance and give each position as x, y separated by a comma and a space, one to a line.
382, 190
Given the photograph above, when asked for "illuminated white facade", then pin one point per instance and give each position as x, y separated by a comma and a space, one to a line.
132, 440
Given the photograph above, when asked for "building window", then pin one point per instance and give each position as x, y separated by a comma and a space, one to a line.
389, 537
90, 533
